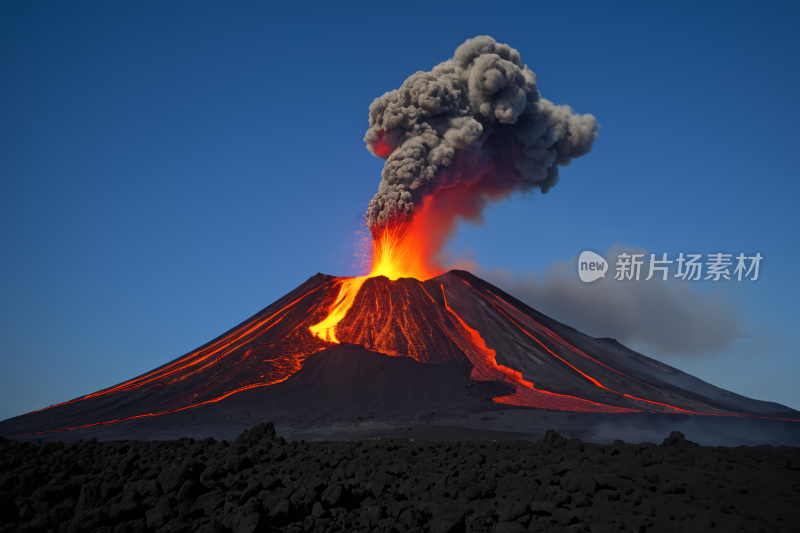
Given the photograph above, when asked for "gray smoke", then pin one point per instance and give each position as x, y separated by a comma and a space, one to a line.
663, 317
477, 118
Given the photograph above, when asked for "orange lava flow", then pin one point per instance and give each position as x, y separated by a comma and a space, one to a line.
397, 252
198, 360
397, 319
591, 379
486, 368
148, 415
348, 289
576, 350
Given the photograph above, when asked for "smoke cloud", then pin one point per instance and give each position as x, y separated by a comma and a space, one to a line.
668, 317
474, 129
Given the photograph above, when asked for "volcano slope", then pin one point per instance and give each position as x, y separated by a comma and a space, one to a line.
453, 355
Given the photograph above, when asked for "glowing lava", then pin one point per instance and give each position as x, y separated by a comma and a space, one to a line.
348, 289
396, 248
485, 368
454, 319
402, 307
399, 249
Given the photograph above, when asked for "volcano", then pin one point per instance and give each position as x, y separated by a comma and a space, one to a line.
361, 356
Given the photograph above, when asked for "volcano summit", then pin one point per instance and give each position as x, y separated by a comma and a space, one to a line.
367, 356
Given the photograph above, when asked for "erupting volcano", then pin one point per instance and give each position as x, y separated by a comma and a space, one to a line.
409, 338
446, 344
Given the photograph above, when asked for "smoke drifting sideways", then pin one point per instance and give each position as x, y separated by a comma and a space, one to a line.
473, 130
662, 317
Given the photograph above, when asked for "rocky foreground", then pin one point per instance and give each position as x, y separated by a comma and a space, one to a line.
262, 483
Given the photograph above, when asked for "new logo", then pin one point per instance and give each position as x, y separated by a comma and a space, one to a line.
591, 266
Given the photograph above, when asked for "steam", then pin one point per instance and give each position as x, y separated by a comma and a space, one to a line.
475, 123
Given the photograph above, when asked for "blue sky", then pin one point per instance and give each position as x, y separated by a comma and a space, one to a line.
169, 169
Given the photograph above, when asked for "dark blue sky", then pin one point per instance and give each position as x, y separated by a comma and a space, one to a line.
169, 168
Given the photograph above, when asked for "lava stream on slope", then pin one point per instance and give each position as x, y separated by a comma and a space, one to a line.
453, 318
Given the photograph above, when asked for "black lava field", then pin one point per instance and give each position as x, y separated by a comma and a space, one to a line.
262, 483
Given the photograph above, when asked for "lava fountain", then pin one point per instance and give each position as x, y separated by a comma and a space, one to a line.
398, 251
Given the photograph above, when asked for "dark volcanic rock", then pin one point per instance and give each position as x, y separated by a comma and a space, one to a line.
259, 434
249, 518
395, 485
8, 510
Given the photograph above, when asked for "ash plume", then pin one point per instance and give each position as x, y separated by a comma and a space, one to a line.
475, 122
